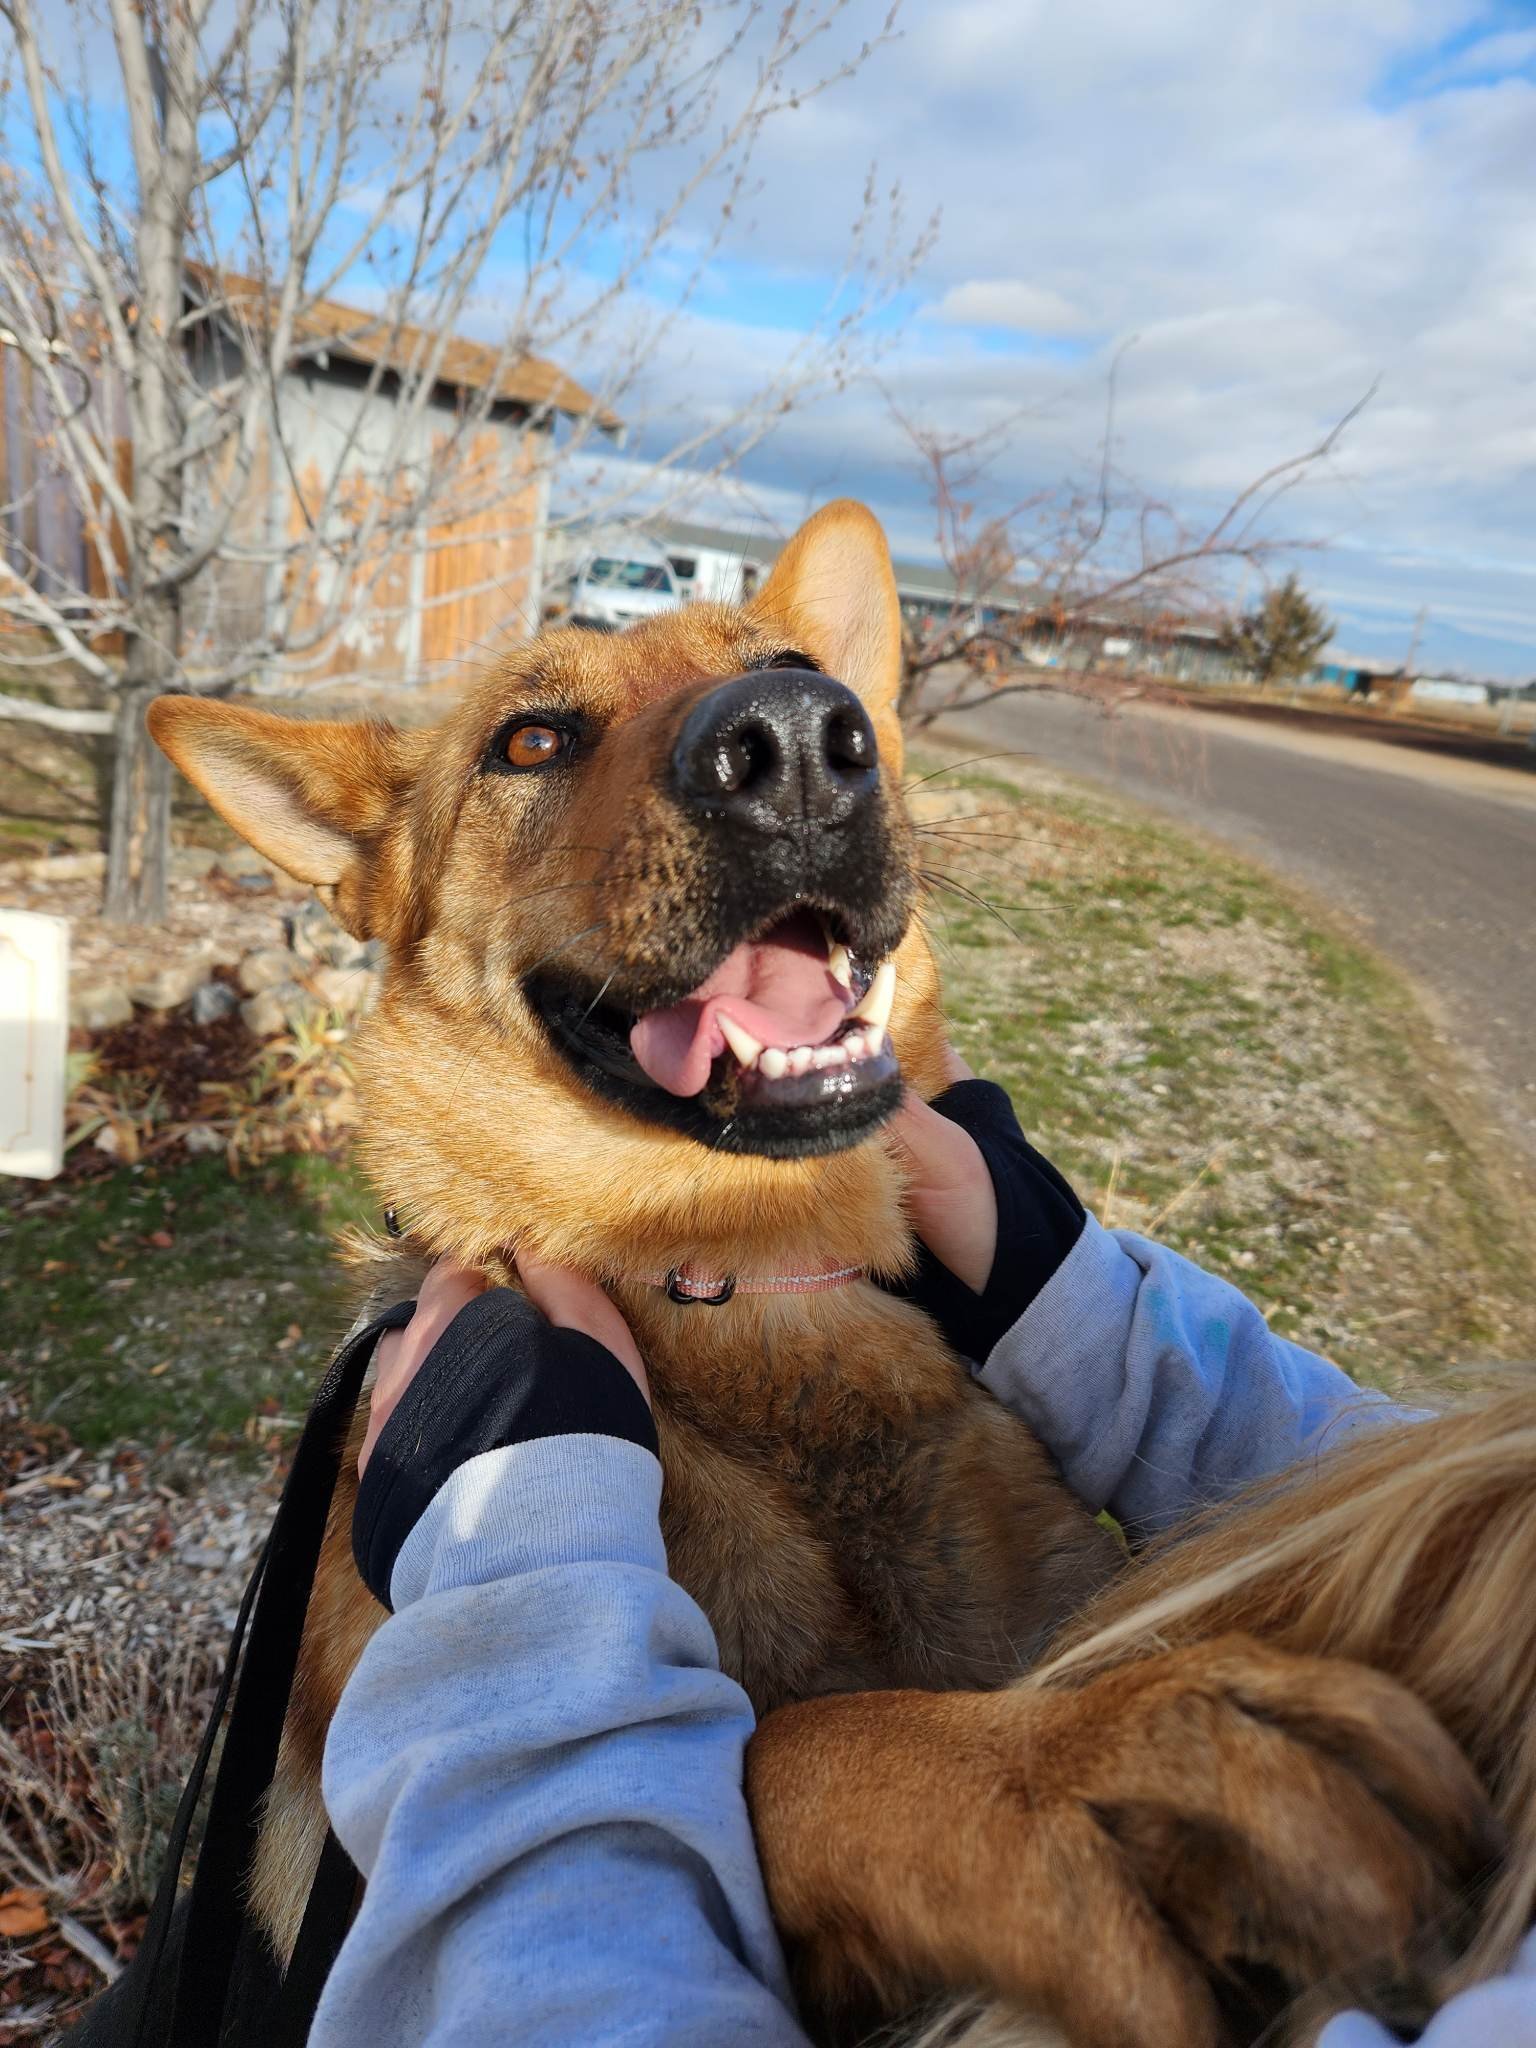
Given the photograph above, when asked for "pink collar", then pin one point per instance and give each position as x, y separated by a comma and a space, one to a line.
685, 1287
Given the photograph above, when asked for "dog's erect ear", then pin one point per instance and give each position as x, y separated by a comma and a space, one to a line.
309, 794
833, 593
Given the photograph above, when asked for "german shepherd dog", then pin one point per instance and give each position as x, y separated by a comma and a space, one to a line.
653, 917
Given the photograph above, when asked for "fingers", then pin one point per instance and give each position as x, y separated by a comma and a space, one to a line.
955, 1068
573, 1302
400, 1353
949, 1191
567, 1298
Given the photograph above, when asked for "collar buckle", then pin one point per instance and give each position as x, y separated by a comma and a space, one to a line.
687, 1293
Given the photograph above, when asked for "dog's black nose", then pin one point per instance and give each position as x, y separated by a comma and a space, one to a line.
775, 750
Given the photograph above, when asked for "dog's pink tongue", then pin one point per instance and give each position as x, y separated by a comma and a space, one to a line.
779, 988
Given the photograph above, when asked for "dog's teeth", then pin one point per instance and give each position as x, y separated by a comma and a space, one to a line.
841, 965
772, 1064
800, 1058
741, 1041
829, 1056
854, 1045
874, 1007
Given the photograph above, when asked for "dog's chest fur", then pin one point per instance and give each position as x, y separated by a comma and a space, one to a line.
846, 1523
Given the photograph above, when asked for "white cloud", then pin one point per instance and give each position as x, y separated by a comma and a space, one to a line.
1281, 203
1011, 303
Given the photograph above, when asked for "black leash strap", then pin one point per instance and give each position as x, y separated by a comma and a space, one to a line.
272, 1610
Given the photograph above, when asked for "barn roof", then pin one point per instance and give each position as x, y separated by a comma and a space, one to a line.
359, 336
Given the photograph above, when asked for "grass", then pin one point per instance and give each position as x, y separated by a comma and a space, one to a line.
1212, 1064
174, 1300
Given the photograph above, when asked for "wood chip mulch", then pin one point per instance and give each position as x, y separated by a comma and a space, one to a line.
126, 1561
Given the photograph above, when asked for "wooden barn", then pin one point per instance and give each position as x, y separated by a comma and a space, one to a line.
436, 594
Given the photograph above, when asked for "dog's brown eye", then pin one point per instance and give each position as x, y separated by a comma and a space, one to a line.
531, 746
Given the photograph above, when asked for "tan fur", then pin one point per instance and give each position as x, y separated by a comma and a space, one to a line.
879, 1547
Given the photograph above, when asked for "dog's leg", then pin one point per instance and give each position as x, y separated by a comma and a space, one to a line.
1113, 1856
343, 1614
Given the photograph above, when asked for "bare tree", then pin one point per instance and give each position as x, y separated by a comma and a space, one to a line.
1066, 561
193, 185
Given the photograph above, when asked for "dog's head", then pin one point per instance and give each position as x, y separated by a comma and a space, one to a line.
665, 873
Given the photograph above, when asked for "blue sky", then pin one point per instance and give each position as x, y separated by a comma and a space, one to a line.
1276, 205
1283, 203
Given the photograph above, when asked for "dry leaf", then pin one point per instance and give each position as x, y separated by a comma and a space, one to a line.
162, 1240
22, 1912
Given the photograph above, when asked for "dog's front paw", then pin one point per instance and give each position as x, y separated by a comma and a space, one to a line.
1168, 1853
1273, 1821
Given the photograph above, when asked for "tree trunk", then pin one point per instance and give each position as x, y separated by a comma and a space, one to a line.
139, 851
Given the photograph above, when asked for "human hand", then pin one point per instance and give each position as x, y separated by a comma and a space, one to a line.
568, 1299
401, 1354
950, 1196
479, 1369
995, 1219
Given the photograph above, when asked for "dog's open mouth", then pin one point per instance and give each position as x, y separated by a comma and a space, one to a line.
783, 1049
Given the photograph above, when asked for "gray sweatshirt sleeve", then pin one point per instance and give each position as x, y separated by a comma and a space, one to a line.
537, 1766
1159, 1388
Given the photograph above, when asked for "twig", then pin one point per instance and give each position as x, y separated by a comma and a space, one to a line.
84, 1943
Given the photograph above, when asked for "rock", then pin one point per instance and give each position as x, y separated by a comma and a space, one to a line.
192, 860
213, 1000
266, 968
171, 987
65, 867
315, 935
350, 990
311, 931
99, 1008
202, 1138
245, 860
266, 1014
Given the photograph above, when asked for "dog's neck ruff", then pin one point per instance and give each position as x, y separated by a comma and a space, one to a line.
681, 1284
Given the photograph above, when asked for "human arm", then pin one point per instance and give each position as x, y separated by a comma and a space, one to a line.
537, 1763
1156, 1385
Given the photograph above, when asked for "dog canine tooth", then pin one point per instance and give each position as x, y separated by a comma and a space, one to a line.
772, 1063
840, 964
874, 1007
746, 1048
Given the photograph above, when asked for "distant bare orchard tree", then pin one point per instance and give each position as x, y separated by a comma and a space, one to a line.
1065, 556
189, 188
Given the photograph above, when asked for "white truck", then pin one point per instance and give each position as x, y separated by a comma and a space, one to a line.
611, 582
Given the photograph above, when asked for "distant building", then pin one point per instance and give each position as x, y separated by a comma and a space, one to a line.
1358, 675
436, 594
1447, 690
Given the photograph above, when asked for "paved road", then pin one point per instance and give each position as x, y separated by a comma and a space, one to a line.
1437, 866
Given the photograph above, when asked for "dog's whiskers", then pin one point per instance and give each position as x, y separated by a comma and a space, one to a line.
944, 881
597, 999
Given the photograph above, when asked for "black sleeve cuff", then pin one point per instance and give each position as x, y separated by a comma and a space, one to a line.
499, 1374
1039, 1220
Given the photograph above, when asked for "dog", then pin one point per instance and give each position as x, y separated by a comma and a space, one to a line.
615, 854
